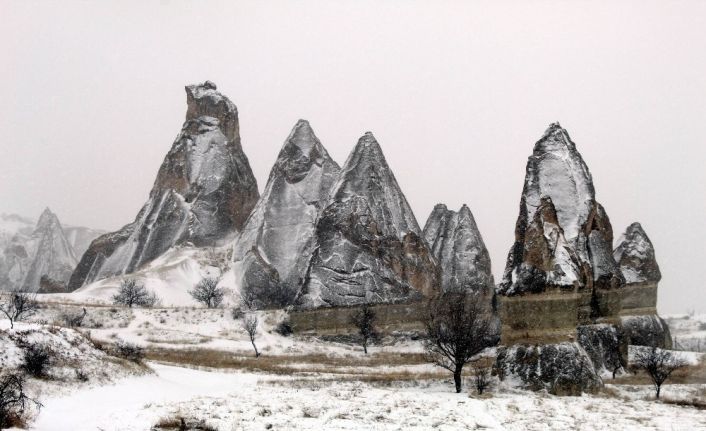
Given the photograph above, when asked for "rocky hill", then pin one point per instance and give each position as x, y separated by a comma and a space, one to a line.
368, 245
456, 243
203, 193
272, 251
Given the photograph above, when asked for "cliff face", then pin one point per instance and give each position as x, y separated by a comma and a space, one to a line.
272, 251
368, 245
563, 237
203, 193
457, 245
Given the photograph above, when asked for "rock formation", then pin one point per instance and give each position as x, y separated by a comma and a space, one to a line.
273, 249
203, 193
563, 237
456, 243
560, 273
635, 255
369, 248
36, 256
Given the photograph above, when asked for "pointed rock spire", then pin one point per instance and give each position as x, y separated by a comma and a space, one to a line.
456, 243
575, 248
203, 193
271, 253
636, 256
368, 246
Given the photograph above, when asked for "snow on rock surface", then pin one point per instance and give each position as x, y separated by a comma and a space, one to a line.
369, 248
273, 249
561, 369
456, 243
648, 330
203, 193
563, 236
636, 256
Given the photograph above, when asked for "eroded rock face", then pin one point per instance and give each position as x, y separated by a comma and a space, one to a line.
53, 257
203, 193
563, 237
561, 369
649, 330
369, 248
606, 345
456, 243
273, 249
635, 255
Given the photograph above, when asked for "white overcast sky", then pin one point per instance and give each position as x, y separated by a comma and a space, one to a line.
91, 98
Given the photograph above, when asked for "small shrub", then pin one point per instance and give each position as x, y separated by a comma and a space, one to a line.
37, 360
131, 352
237, 313
131, 293
73, 319
81, 376
284, 328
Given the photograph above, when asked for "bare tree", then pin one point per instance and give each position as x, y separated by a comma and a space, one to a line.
364, 321
658, 363
481, 379
131, 293
457, 330
13, 400
250, 324
19, 305
208, 293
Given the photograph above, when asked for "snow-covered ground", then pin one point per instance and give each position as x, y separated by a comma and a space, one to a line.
688, 331
204, 370
248, 401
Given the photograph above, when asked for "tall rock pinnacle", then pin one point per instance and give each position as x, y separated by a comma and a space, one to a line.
369, 248
203, 193
636, 256
273, 249
456, 243
563, 237
53, 258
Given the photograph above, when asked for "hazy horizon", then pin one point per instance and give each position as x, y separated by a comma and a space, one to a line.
457, 93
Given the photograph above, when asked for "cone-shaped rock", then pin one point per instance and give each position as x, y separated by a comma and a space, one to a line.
563, 237
636, 256
273, 249
203, 193
456, 243
53, 258
369, 248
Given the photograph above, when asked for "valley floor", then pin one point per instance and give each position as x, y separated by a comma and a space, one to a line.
254, 401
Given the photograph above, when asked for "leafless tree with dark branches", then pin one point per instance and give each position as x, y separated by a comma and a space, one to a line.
250, 324
208, 293
458, 328
364, 321
659, 364
13, 400
131, 293
18, 305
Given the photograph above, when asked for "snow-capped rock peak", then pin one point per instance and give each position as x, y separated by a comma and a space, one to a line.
636, 256
571, 230
457, 245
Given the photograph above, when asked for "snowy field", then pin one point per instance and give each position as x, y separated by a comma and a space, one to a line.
200, 367
249, 401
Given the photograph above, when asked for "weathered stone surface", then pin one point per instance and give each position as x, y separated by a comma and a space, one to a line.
52, 255
203, 193
648, 330
369, 248
272, 251
561, 369
457, 245
635, 255
563, 237
606, 345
